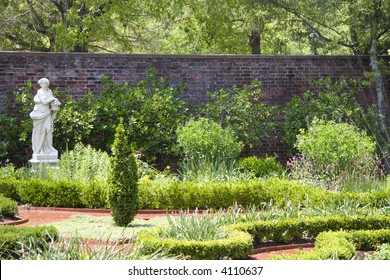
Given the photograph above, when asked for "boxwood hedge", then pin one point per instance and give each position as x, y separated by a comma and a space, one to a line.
237, 245
12, 238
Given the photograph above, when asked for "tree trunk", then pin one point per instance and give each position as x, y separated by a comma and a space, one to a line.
254, 41
380, 91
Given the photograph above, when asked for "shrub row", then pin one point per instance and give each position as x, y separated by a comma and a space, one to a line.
187, 195
40, 192
8, 207
286, 230
341, 245
237, 245
12, 238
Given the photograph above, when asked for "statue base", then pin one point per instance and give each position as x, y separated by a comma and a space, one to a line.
49, 160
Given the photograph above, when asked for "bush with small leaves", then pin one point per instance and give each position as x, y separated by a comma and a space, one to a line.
123, 180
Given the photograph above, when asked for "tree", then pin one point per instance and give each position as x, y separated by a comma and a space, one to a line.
71, 25
358, 27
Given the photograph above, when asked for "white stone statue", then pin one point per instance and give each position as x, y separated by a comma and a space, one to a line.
45, 110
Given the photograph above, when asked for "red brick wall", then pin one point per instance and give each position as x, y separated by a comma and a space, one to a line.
281, 76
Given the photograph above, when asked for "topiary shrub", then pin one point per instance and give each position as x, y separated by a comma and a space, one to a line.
8, 207
261, 167
123, 180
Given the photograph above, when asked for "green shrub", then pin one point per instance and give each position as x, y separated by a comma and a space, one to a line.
330, 152
12, 238
261, 167
151, 111
123, 182
236, 245
207, 148
286, 230
189, 195
240, 110
205, 139
95, 195
329, 100
340, 245
51, 193
339, 145
9, 188
16, 128
84, 164
8, 207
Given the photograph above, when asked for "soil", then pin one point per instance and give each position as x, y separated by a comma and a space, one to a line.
30, 216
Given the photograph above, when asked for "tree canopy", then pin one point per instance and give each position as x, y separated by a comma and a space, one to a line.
196, 26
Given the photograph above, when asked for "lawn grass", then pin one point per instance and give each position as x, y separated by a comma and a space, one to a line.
103, 228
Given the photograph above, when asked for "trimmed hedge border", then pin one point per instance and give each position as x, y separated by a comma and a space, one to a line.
340, 245
12, 238
188, 195
285, 230
237, 246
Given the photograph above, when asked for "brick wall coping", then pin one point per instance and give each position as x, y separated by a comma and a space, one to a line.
186, 56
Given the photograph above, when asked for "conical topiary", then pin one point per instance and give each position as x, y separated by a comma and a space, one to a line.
123, 181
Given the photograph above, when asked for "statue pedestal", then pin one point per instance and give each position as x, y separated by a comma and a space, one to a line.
47, 160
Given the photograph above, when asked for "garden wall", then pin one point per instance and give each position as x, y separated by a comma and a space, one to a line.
280, 76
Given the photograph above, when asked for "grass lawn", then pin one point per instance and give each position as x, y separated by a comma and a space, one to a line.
103, 228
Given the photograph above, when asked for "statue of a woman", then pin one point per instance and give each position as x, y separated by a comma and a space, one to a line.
45, 110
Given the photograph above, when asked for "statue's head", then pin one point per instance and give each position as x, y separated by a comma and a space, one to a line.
44, 81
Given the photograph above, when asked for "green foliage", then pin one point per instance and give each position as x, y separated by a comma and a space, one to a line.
206, 146
9, 187
189, 195
75, 120
40, 192
383, 253
84, 164
241, 110
339, 146
286, 230
262, 167
12, 238
236, 245
341, 245
123, 181
330, 101
8, 207
76, 248
151, 111
193, 227
16, 125
95, 195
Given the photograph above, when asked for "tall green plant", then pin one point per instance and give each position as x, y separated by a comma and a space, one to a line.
330, 152
207, 147
123, 191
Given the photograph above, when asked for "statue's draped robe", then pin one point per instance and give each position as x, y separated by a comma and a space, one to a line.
43, 117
